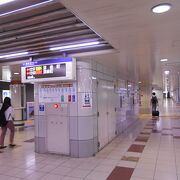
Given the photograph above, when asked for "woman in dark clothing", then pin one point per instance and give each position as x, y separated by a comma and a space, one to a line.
8, 110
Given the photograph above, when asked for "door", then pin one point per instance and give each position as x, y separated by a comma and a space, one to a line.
57, 128
102, 97
111, 118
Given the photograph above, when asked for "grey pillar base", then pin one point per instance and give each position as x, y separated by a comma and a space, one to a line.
40, 145
83, 148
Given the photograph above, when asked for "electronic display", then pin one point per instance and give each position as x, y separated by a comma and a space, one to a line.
46, 71
49, 70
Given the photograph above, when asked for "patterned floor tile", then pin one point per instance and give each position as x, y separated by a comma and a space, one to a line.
121, 173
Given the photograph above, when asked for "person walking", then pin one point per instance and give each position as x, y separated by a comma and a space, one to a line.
8, 111
154, 102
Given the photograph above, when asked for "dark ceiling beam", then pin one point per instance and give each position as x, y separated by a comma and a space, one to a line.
12, 48
44, 25
44, 32
29, 21
44, 38
49, 54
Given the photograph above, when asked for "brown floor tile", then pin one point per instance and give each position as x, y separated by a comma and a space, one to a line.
130, 158
121, 173
156, 131
30, 140
148, 127
175, 127
166, 128
145, 133
136, 148
142, 139
176, 137
165, 134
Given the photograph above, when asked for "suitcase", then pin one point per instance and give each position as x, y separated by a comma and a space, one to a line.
155, 113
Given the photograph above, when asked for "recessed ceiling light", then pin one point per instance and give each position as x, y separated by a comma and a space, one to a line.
75, 46
5, 1
161, 8
164, 60
13, 55
166, 72
140, 82
24, 8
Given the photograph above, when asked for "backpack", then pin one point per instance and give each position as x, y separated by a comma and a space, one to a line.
3, 121
154, 100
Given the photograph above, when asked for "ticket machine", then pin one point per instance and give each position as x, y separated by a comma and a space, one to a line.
55, 91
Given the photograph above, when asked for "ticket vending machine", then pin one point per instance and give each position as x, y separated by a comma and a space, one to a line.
57, 117
54, 93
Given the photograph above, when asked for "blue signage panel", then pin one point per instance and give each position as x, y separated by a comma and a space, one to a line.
48, 61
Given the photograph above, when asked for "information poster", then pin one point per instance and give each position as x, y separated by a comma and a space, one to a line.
87, 100
6, 93
30, 110
63, 93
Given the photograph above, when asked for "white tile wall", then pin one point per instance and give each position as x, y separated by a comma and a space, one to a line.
85, 127
73, 108
73, 128
84, 80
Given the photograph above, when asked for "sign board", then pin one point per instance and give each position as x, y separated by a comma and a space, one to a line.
6, 93
63, 93
61, 69
30, 110
87, 100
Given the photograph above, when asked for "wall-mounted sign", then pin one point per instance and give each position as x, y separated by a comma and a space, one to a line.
49, 70
30, 110
6, 93
63, 93
87, 100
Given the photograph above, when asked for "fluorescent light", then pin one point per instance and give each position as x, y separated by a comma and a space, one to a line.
161, 8
75, 46
16, 73
164, 60
24, 8
13, 55
166, 72
5, 1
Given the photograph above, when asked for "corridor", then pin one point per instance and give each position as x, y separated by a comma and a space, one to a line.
148, 150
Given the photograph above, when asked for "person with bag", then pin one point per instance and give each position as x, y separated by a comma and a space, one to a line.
6, 122
154, 103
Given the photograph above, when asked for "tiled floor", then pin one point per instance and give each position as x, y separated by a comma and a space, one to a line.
148, 151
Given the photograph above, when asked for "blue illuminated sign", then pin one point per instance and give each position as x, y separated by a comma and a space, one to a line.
48, 61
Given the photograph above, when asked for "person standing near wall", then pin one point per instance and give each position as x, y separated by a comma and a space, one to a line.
8, 111
154, 102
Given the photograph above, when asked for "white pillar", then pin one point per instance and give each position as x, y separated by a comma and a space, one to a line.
18, 102
145, 91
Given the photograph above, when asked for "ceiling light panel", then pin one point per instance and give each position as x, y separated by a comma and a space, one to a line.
166, 72
164, 60
161, 8
75, 46
5, 56
22, 6
5, 1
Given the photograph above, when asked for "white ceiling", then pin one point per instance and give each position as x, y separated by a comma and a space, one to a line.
140, 37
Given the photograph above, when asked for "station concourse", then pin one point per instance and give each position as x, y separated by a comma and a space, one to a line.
80, 75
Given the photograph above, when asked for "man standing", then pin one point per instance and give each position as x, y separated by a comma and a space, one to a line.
154, 102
